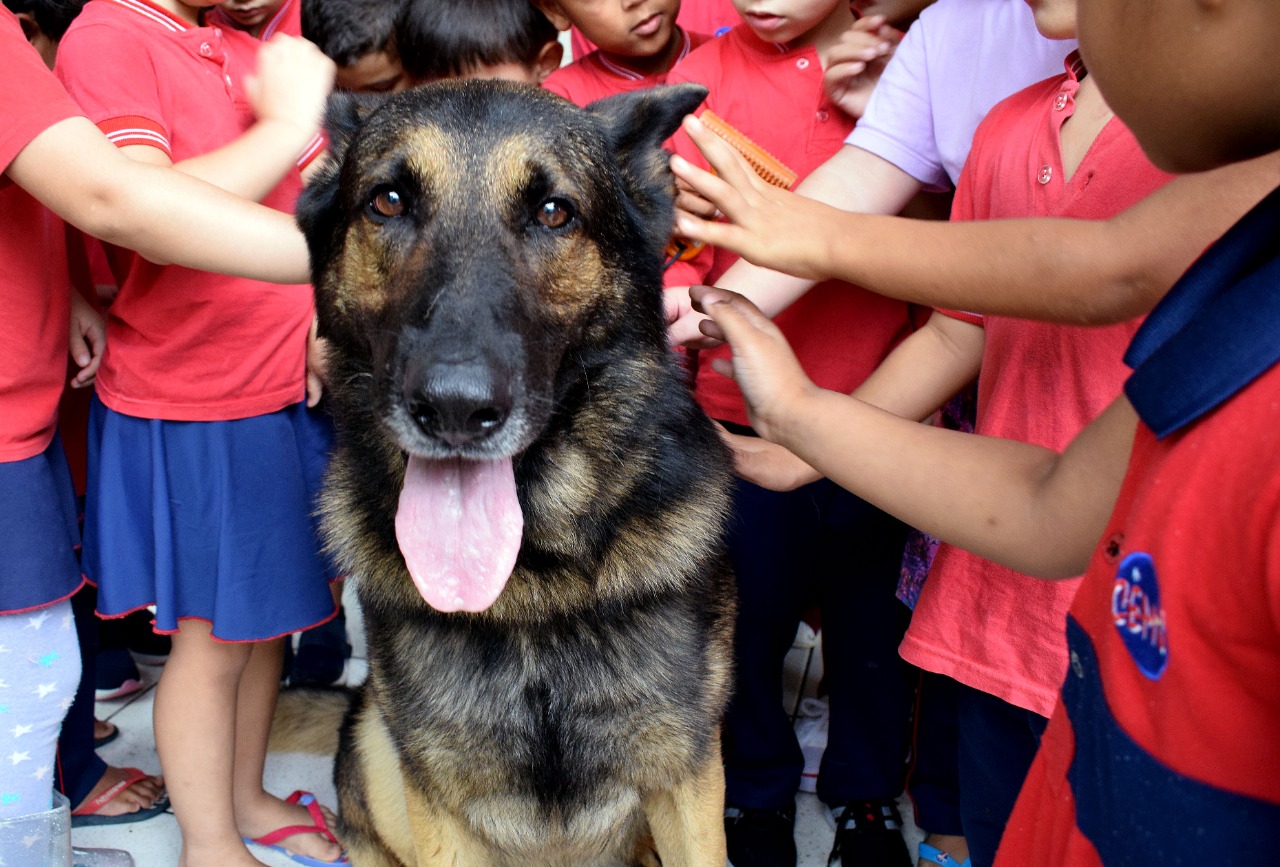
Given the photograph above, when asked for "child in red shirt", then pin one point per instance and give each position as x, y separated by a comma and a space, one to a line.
1161, 745
203, 456
637, 46
817, 543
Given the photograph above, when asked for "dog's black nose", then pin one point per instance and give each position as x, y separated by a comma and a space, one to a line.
458, 404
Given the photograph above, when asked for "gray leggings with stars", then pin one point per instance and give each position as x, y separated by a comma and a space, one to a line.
39, 672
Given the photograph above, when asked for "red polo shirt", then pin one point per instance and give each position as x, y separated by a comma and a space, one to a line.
980, 623
182, 344
596, 76
775, 96
1163, 748
34, 285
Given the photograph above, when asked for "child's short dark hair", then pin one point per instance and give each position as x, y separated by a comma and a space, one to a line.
446, 38
53, 17
347, 30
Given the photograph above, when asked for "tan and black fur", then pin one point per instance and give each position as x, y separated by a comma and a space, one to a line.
519, 271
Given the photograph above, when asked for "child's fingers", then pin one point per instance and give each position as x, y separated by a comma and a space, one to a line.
723, 366
736, 317
80, 349
711, 232
727, 162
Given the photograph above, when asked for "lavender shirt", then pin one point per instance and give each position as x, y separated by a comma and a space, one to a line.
958, 59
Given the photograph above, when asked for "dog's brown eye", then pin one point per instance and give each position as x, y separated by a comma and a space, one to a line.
387, 202
555, 213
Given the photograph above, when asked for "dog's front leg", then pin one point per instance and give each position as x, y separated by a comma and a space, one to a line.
687, 821
439, 840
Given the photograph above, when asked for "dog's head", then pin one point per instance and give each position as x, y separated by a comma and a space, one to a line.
472, 244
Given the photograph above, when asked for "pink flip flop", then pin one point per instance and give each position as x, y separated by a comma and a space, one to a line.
318, 826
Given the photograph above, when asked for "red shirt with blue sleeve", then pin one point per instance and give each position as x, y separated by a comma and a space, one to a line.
1040, 383
1163, 748
774, 96
596, 76
184, 345
34, 286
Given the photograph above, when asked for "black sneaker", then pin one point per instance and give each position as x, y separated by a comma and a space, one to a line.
868, 834
760, 837
322, 654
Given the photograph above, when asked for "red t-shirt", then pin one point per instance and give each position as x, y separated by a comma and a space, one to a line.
287, 20
712, 17
596, 76
775, 96
980, 623
34, 285
184, 345
1174, 684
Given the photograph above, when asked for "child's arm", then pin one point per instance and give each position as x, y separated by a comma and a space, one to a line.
288, 95
913, 382
1071, 271
165, 215
853, 179
1026, 507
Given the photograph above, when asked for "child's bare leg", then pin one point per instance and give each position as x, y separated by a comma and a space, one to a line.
258, 812
195, 711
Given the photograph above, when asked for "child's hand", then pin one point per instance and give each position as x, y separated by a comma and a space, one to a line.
87, 342
855, 62
763, 365
683, 320
317, 363
766, 225
767, 464
291, 84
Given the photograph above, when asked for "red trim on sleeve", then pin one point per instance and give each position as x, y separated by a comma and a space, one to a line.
963, 316
314, 148
134, 130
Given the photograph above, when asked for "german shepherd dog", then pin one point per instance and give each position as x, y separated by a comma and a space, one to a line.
532, 502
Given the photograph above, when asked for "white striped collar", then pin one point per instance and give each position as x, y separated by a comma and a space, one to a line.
163, 17
276, 20
632, 75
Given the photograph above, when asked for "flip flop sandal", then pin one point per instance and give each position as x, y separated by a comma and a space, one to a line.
108, 737
934, 855
318, 826
87, 813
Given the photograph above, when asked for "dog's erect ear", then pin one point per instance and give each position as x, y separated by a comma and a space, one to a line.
343, 116
635, 126
647, 118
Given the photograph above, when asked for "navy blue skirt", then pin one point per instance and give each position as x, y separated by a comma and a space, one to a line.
209, 520
38, 532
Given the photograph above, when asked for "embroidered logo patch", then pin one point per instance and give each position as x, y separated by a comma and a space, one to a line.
1138, 615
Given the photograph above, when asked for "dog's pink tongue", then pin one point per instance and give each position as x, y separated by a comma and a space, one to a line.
459, 526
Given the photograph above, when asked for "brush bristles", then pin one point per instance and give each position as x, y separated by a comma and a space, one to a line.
770, 169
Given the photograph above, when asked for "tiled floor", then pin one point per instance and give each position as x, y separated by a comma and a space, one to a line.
155, 842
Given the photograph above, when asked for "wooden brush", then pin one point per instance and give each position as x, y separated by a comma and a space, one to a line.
770, 169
